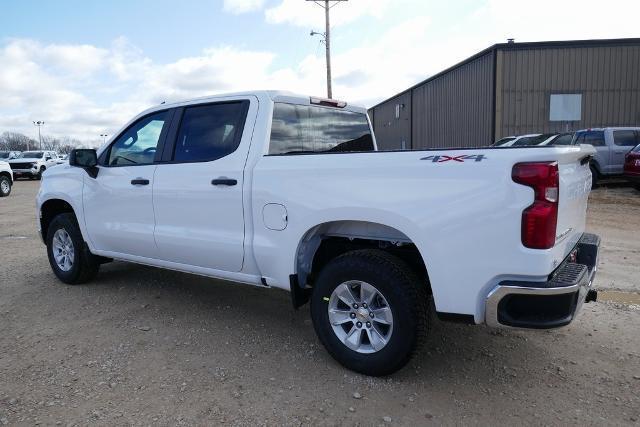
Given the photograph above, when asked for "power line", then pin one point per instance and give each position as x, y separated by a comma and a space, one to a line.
326, 5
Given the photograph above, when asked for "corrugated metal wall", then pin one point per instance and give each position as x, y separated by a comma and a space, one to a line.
393, 133
608, 77
456, 108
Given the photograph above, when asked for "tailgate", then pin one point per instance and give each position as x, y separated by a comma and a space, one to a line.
575, 185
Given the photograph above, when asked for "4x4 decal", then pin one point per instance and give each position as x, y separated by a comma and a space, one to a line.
461, 158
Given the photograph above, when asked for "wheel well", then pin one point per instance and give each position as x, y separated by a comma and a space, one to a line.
49, 210
328, 241
7, 174
595, 166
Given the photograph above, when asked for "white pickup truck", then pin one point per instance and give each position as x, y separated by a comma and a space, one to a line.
278, 190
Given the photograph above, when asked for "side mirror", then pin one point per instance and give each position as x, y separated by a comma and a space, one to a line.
86, 159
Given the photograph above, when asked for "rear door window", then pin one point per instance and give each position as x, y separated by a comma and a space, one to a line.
625, 138
301, 129
210, 132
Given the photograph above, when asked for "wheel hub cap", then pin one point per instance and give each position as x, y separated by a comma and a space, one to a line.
360, 316
63, 251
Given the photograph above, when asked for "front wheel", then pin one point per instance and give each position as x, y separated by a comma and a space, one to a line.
68, 253
5, 186
40, 172
370, 311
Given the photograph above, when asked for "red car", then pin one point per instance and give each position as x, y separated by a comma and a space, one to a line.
632, 166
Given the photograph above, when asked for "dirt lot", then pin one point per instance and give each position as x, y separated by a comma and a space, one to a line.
146, 346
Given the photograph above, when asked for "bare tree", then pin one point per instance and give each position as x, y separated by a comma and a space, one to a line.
15, 141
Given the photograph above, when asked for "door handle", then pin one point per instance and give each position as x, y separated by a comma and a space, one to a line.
139, 181
224, 181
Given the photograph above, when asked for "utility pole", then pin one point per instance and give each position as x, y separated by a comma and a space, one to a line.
39, 124
326, 5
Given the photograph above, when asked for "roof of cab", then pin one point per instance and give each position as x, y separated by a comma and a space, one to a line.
273, 95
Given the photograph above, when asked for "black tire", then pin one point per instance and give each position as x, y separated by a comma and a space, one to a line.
405, 295
40, 172
5, 186
594, 177
85, 264
637, 187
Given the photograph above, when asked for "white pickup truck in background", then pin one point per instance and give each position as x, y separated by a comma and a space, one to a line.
278, 190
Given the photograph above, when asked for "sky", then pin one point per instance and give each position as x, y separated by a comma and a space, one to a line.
86, 67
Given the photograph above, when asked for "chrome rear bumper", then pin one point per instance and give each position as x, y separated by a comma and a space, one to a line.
550, 304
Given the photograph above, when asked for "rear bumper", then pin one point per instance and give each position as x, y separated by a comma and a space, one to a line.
550, 304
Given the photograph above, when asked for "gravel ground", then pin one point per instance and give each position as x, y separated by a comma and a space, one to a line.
146, 346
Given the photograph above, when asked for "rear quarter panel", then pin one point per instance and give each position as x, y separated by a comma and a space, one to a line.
464, 216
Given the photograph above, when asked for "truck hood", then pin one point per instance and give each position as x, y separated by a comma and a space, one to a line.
25, 160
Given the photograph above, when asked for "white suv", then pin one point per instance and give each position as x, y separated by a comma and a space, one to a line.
32, 164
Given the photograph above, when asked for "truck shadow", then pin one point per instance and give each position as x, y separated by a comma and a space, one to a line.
473, 356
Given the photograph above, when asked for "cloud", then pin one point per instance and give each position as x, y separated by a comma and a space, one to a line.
82, 90
306, 14
242, 6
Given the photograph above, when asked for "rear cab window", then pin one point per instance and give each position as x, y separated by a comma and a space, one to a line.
307, 129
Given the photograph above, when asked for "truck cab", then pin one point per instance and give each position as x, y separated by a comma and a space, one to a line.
611, 144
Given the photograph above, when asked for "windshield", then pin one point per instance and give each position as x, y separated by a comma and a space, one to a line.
30, 155
4, 154
533, 140
504, 141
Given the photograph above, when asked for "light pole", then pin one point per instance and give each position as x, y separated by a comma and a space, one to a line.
104, 137
325, 4
39, 123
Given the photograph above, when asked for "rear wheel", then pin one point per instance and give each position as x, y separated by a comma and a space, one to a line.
5, 186
69, 256
370, 311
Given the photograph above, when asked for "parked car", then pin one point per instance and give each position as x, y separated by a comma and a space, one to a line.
62, 159
512, 140
560, 139
611, 144
632, 166
285, 191
32, 164
530, 141
6, 179
8, 155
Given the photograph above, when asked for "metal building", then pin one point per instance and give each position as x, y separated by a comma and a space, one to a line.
514, 89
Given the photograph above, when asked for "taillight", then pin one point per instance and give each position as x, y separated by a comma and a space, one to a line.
540, 219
